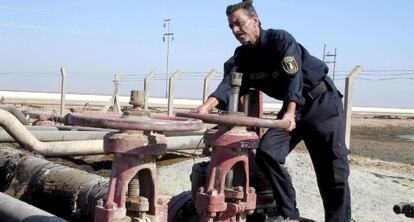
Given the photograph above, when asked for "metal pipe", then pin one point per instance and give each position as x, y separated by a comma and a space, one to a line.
52, 136
184, 142
65, 148
229, 120
189, 133
61, 190
174, 142
236, 80
41, 128
14, 210
17, 113
33, 114
82, 128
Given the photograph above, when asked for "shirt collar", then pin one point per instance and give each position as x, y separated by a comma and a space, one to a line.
263, 37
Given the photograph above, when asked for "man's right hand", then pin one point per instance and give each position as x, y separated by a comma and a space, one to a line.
202, 109
210, 103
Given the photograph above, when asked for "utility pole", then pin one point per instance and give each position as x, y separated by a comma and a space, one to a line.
62, 90
114, 100
166, 37
330, 61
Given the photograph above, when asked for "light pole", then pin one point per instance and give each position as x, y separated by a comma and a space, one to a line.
166, 37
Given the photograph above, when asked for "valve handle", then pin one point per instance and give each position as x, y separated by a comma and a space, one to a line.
237, 120
127, 122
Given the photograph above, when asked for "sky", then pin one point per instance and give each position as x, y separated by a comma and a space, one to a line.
94, 39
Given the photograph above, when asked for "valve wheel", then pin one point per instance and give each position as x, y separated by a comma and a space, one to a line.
235, 119
127, 122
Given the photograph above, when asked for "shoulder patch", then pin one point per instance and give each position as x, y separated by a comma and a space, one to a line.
290, 65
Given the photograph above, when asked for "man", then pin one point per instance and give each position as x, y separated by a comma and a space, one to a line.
273, 62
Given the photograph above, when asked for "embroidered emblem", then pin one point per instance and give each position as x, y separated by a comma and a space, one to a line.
290, 65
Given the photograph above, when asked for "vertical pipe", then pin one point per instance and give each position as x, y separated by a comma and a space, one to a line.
348, 102
146, 88
236, 80
171, 89
207, 80
62, 90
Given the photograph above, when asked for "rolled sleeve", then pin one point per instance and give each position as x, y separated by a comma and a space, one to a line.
291, 64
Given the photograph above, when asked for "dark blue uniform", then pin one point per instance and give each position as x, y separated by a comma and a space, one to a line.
284, 70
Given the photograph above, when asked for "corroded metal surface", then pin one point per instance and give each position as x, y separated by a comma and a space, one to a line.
230, 139
116, 121
237, 120
135, 143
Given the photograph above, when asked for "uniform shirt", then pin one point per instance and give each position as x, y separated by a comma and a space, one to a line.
277, 66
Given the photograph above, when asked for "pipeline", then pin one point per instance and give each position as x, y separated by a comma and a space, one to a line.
14, 210
64, 191
65, 148
182, 142
51, 136
76, 148
17, 113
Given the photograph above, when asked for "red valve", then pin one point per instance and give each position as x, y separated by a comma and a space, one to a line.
237, 119
130, 122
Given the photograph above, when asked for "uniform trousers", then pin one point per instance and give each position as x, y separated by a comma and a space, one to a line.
320, 123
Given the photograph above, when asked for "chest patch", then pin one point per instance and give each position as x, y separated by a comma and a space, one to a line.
290, 65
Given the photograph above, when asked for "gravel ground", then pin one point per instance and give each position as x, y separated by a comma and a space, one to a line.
382, 172
374, 191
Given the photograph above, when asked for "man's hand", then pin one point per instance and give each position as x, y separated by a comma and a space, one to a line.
210, 103
290, 116
202, 109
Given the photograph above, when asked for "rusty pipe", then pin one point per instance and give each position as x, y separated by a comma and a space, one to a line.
115, 121
65, 148
234, 120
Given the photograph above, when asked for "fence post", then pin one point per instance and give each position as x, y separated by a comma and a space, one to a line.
348, 102
62, 90
171, 89
115, 97
146, 88
207, 80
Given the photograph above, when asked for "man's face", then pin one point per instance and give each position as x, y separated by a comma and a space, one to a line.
245, 29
